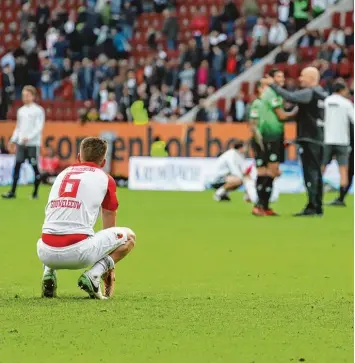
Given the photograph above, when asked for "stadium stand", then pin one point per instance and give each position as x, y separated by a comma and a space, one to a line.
91, 60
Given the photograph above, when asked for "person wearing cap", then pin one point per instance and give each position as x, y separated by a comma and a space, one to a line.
229, 172
339, 113
310, 122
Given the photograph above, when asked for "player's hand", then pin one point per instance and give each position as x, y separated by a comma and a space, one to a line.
11, 147
294, 111
259, 139
24, 140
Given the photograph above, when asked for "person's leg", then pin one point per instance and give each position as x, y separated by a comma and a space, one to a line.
33, 157
231, 183
350, 171
260, 161
342, 157
44, 91
20, 158
50, 91
104, 250
273, 152
311, 156
273, 171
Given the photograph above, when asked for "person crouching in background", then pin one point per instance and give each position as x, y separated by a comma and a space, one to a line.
49, 166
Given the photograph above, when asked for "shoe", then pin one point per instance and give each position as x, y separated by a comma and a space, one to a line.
109, 283
271, 213
258, 211
91, 285
49, 285
309, 213
9, 195
223, 198
337, 203
34, 197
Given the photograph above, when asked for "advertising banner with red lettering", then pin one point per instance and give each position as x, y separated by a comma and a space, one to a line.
197, 140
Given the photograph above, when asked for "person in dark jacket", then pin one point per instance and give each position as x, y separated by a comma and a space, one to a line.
7, 91
170, 29
310, 121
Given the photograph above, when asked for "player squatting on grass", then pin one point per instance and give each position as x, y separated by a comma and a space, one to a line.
68, 239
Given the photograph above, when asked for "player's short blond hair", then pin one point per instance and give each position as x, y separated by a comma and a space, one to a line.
31, 90
93, 149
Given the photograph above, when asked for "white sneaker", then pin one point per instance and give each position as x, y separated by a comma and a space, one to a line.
91, 285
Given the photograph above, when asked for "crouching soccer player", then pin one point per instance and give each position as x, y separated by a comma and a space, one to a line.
68, 239
229, 172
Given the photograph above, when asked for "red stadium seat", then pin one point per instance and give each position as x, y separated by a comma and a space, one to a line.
336, 19
245, 88
349, 19
344, 69
293, 71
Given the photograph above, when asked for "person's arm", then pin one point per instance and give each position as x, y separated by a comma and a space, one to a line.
303, 96
108, 218
351, 112
37, 128
233, 163
15, 136
253, 125
109, 205
284, 115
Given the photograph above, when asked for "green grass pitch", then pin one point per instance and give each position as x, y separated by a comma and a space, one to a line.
206, 283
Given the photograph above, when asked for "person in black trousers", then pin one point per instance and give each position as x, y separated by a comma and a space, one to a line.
310, 121
8, 91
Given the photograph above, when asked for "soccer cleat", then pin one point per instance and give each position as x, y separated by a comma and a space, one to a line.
225, 198
109, 283
258, 211
49, 285
337, 203
271, 213
91, 285
309, 213
34, 197
9, 195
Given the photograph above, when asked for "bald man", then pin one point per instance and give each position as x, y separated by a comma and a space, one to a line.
310, 123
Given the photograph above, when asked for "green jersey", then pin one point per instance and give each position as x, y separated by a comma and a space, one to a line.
270, 127
255, 109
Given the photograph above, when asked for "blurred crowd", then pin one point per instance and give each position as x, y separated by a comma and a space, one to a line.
85, 54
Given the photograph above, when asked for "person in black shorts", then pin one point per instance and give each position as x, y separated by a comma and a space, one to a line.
268, 143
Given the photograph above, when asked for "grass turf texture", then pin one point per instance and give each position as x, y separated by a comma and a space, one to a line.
206, 283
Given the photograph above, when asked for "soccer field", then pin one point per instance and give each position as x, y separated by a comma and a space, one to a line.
206, 283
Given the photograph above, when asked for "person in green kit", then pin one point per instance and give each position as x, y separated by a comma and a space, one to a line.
255, 126
269, 146
300, 11
159, 148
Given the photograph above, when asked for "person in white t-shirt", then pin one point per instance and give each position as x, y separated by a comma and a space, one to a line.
109, 108
26, 139
339, 113
230, 171
68, 240
277, 33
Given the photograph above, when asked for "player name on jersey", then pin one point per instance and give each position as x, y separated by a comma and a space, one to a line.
65, 203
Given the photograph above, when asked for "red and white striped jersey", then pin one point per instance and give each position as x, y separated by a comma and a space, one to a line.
75, 200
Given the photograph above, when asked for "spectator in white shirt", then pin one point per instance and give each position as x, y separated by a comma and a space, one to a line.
277, 33
336, 36
108, 109
339, 113
259, 30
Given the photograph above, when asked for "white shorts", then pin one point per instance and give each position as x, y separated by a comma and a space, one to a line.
84, 253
